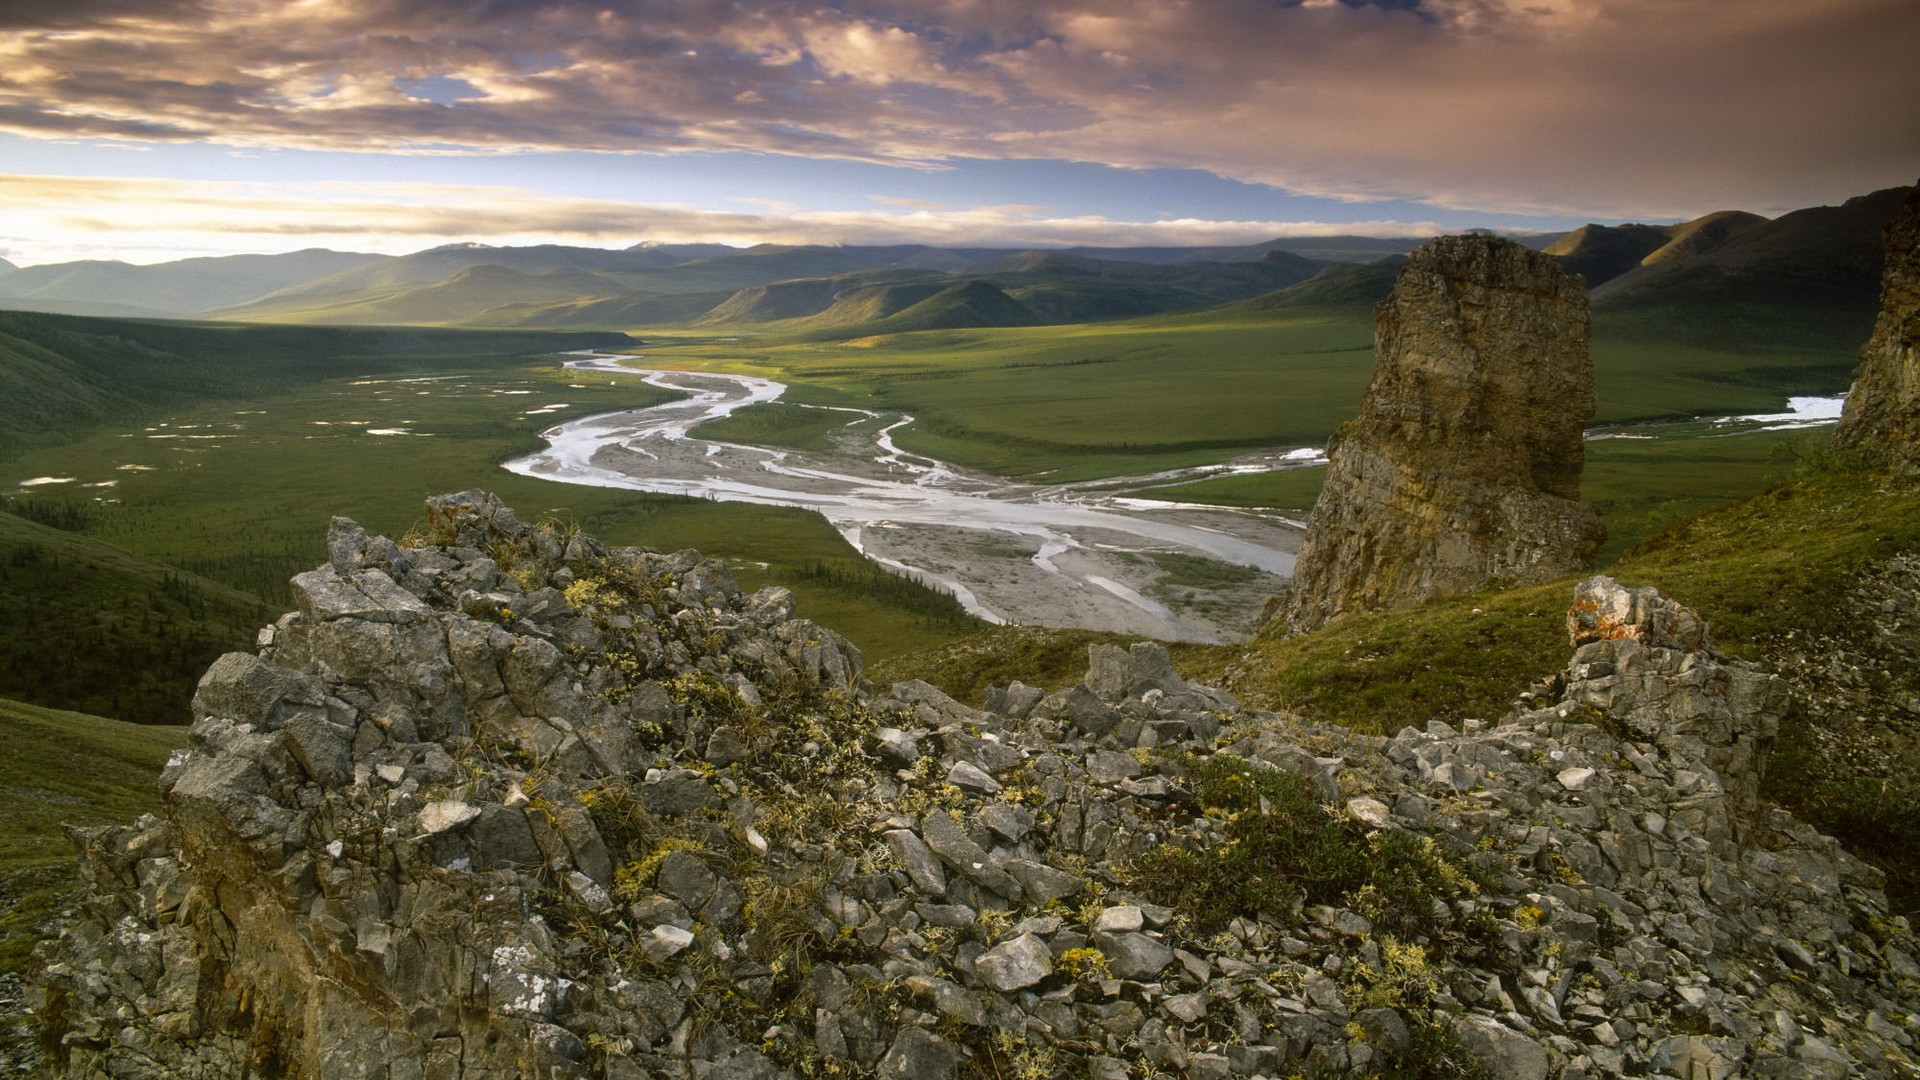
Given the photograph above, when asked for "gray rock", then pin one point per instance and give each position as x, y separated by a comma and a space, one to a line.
1014, 965
1111, 766
1133, 956
247, 689
918, 1054
445, 815
1502, 1051
323, 748
1188, 1009
666, 941
325, 595
1043, 883
1119, 919
970, 777
896, 746
686, 878
920, 863
1011, 822
677, 793
1386, 1031
959, 852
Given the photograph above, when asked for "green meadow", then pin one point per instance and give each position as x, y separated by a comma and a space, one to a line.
218, 472
1066, 403
192, 519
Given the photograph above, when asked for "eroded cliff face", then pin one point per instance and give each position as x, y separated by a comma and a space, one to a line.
1882, 416
511, 804
1464, 463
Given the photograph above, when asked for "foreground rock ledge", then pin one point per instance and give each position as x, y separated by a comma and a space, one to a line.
1464, 463
507, 803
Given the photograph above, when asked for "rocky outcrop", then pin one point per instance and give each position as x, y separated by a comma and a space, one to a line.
1464, 463
508, 803
1882, 415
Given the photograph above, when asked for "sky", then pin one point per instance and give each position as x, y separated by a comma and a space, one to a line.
150, 130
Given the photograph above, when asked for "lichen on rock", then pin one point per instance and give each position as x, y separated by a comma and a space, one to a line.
562, 810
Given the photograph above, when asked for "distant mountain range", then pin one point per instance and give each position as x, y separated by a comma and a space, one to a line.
1823, 260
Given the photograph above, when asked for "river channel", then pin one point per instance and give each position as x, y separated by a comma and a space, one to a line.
1056, 555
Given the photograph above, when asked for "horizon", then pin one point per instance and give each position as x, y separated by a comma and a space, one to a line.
155, 130
743, 247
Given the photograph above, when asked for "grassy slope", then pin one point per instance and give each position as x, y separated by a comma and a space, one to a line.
96, 628
1769, 574
779, 424
63, 767
1756, 568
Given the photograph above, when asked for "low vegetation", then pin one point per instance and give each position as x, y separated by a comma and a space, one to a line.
91, 627
1772, 574
228, 498
778, 424
64, 768
1279, 850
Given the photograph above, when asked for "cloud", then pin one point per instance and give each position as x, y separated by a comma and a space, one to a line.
1585, 108
70, 217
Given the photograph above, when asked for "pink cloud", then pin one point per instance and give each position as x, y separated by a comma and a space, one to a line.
1599, 108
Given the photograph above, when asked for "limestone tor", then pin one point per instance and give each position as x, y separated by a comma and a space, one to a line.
1882, 414
1464, 463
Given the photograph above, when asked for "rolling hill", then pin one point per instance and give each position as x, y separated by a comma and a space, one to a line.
182, 288
1806, 277
1824, 257
59, 373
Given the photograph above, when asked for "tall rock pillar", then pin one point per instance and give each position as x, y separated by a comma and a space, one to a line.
1464, 463
1882, 416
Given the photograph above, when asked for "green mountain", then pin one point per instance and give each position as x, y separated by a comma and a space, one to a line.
1601, 253
1704, 234
1349, 288
804, 297
185, 287
1825, 258
611, 312
1317, 248
464, 297
955, 307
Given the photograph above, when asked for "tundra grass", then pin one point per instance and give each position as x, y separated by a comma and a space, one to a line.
781, 425
241, 492
1767, 572
64, 767
1643, 479
1077, 402
1755, 568
1132, 397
